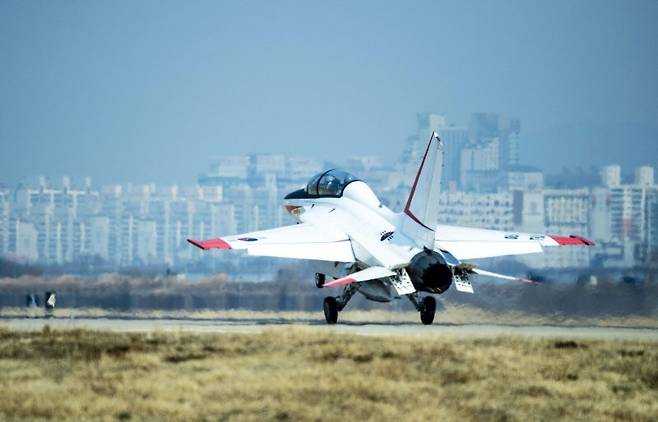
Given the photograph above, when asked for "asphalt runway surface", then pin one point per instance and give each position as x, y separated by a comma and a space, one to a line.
361, 328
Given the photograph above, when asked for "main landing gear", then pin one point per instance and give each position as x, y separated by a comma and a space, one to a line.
330, 309
426, 306
333, 305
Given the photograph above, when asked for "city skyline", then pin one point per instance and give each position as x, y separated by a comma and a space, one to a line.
484, 184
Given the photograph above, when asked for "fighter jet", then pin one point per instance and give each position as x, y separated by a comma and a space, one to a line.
367, 248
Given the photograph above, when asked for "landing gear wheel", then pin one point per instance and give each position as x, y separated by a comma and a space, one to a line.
319, 280
331, 310
427, 310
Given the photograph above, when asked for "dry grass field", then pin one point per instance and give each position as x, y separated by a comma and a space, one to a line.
302, 374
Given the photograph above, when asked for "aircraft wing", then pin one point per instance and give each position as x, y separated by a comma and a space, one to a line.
301, 241
472, 243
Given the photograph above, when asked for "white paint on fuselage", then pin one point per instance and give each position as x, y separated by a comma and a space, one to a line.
360, 215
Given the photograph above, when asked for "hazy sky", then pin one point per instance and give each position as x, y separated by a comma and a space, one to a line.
150, 91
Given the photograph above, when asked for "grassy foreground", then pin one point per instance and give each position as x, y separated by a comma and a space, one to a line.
302, 374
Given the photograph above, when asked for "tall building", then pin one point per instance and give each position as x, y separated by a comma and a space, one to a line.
454, 139
300, 169
632, 213
652, 224
523, 179
4, 222
558, 212
599, 220
267, 164
489, 211
627, 212
487, 126
267, 201
99, 237
246, 212
23, 240
622, 216
611, 176
480, 170
227, 169
529, 211
644, 176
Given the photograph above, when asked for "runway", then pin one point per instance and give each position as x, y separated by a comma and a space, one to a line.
358, 328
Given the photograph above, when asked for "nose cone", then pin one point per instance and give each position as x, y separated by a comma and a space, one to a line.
360, 192
298, 194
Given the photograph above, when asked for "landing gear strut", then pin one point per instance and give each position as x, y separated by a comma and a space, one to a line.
426, 306
333, 305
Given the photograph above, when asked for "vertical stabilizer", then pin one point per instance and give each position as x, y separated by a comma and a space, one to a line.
421, 212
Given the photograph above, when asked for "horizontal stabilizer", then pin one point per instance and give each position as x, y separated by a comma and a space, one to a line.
371, 273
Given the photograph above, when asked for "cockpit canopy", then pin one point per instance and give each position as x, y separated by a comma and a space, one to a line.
330, 183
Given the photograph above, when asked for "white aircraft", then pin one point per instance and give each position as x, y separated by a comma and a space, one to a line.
369, 249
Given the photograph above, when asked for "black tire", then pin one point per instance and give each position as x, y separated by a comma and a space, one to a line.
427, 310
319, 280
330, 310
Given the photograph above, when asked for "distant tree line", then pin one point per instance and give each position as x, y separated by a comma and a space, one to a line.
292, 290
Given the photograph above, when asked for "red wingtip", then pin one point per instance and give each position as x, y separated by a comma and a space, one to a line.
197, 244
210, 244
573, 240
340, 282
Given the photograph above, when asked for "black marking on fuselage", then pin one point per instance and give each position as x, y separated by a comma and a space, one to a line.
387, 236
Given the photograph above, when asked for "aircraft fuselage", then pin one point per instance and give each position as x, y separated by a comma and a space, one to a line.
370, 225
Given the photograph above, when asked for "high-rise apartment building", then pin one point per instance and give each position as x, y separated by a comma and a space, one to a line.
490, 211
454, 139
631, 211
23, 240
4, 222
652, 224
559, 212
599, 220
480, 166
644, 176
627, 212
485, 127
611, 176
